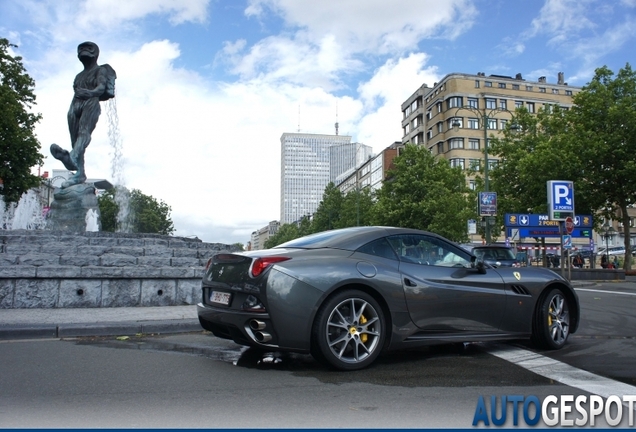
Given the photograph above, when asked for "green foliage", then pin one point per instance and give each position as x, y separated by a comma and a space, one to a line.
424, 192
357, 208
592, 144
238, 246
327, 215
285, 233
147, 215
19, 148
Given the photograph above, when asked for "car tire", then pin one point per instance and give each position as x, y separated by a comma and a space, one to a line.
349, 331
551, 326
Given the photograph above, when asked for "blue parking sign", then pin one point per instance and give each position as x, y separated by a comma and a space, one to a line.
560, 199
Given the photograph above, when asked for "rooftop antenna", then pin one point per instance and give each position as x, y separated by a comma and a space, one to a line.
336, 117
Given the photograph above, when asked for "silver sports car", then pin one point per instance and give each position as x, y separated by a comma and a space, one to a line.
346, 295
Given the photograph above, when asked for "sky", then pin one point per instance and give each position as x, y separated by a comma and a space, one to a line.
206, 88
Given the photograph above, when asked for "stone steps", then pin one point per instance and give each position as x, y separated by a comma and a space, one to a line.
49, 269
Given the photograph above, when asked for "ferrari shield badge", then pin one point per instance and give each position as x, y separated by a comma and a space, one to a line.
517, 275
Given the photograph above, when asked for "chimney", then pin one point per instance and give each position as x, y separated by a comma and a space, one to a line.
561, 80
542, 79
518, 77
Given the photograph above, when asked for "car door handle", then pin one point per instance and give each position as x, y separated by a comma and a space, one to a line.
409, 282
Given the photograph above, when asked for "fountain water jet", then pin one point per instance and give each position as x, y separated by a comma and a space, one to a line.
122, 197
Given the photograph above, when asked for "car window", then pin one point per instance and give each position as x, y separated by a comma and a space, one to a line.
380, 248
425, 250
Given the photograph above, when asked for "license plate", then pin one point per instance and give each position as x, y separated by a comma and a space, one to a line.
220, 297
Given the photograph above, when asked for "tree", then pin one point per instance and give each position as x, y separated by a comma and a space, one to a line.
424, 192
285, 233
19, 148
603, 122
147, 214
327, 214
357, 208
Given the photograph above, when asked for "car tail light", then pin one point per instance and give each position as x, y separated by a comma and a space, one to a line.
207, 266
260, 264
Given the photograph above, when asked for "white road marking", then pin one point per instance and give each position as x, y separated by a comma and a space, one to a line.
561, 372
605, 291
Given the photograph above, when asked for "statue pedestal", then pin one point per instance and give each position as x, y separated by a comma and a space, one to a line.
74, 209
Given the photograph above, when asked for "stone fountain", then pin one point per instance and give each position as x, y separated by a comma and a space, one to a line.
72, 263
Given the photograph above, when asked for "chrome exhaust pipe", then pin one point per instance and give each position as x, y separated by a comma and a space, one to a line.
262, 337
257, 325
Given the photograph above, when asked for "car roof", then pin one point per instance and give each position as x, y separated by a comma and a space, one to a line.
349, 238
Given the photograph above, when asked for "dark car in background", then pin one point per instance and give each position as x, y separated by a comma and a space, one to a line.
495, 255
347, 295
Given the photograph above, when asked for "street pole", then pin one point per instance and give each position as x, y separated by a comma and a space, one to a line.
485, 120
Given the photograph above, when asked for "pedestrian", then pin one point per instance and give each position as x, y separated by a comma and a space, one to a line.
616, 264
578, 261
604, 261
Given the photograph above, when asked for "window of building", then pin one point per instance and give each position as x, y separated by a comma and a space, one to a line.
439, 107
429, 134
503, 104
453, 120
530, 106
549, 108
515, 86
454, 102
472, 185
440, 147
473, 123
473, 144
518, 104
528, 88
568, 92
492, 123
488, 83
456, 143
440, 127
502, 124
491, 103
541, 89
473, 103
428, 114
502, 85
475, 164
476, 83
492, 164
457, 162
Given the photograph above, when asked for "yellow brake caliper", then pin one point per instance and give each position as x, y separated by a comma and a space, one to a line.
363, 337
550, 317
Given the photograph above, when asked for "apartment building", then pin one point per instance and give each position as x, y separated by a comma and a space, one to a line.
456, 116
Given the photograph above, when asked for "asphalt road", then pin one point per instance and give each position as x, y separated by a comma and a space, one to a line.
195, 380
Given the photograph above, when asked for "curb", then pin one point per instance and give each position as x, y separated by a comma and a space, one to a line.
125, 328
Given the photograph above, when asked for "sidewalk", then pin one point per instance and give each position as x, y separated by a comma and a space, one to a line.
76, 322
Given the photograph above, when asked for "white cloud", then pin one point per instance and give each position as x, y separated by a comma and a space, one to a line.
374, 25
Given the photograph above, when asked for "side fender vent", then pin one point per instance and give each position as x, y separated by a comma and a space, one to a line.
520, 290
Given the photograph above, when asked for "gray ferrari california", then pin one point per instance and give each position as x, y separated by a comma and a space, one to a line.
346, 295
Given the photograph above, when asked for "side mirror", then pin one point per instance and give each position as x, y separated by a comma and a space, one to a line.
478, 264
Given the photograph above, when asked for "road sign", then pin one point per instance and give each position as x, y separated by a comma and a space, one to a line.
487, 203
560, 199
567, 242
569, 225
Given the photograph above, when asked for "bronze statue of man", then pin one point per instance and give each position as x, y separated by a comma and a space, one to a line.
94, 84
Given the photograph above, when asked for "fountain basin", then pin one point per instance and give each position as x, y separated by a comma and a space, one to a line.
64, 269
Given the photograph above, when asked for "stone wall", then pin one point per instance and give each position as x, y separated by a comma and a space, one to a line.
55, 269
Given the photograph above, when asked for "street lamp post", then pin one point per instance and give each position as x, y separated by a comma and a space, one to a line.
486, 115
608, 232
